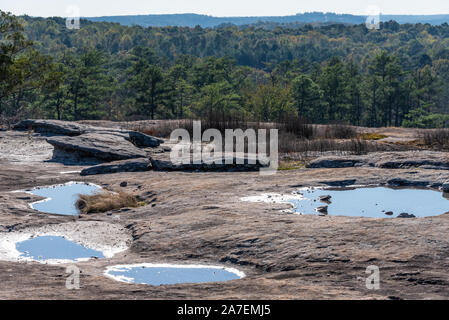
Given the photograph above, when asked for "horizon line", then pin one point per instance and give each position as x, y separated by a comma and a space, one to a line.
242, 16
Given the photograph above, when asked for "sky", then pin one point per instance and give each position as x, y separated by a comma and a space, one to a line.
221, 8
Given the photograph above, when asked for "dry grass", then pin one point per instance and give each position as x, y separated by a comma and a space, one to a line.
340, 131
221, 122
437, 139
292, 126
8, 122
295, 134
288, 144
162, 129
105, 201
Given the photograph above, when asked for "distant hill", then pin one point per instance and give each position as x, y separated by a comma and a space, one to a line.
436, 19
192, 20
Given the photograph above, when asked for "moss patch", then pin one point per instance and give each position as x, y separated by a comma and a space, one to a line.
372, 136
287, 165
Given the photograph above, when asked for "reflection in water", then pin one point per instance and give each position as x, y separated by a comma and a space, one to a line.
376, 202
61, 199
164, 274
54, 247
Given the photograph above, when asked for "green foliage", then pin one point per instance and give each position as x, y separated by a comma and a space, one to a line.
307, 97
146, 82
418, 119
20, 66
87, 85
324, 74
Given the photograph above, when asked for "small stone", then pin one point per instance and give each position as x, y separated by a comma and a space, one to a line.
24, 198
406, 215
124, 184
81, 205
322, 210
445, 187
324, 198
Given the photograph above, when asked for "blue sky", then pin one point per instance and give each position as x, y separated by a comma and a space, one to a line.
90, 8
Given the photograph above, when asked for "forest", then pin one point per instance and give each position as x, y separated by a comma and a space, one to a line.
337, 73
205, 21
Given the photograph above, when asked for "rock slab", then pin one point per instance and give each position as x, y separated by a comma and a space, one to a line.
163, 163
133, 165
432, 160
104, 147
58, 127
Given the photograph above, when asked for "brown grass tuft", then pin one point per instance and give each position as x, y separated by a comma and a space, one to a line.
105, 201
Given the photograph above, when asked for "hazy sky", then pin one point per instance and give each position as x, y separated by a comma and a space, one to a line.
90, 8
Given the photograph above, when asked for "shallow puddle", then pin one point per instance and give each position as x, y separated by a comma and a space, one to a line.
61, 199
165, 274
55, 248
378, 202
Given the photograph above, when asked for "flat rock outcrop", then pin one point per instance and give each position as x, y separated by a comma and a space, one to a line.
76, 143
386, 160
339, 183
142, 140
200, 218
67, 128
133, 165
334, 162
104, 147
400, 182
163, 163
56, 127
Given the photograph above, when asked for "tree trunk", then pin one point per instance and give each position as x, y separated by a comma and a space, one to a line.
58, 108
373, 108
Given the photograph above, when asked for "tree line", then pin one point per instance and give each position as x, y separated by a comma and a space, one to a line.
396, 76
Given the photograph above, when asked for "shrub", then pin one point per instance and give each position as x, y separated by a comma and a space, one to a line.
438, 138
340, 131
288, 144
297, 126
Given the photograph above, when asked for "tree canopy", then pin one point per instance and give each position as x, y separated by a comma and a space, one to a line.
395, 76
